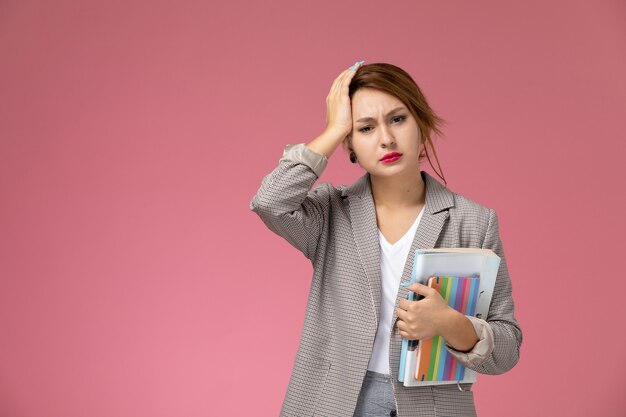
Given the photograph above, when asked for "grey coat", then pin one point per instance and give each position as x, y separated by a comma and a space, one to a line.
336, 229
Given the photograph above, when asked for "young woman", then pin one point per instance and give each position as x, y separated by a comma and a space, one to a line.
361, 241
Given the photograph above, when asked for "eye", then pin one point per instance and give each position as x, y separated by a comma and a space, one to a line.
365, 129
398, 119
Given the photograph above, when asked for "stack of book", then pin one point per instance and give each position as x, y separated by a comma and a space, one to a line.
465, 278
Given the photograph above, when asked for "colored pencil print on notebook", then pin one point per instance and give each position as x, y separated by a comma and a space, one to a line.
434, 363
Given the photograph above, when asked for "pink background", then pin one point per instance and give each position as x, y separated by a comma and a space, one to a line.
134, 279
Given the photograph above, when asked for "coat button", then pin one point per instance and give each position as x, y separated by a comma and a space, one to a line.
392, 413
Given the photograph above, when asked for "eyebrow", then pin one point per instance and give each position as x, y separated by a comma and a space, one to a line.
365, 119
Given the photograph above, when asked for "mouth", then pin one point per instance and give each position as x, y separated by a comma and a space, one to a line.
391, 156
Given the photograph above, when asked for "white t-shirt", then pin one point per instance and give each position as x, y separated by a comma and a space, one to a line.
392, 260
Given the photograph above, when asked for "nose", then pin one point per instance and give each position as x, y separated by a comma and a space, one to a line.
386, 137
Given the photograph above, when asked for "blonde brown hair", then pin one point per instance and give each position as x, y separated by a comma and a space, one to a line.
395, 81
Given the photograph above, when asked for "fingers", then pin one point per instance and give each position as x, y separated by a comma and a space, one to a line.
342, 82
420, 289
400, 324
407, 311
411, 329
338, 86
407, 329
405, 304
338, 108
403, 329
402, 312
338, 81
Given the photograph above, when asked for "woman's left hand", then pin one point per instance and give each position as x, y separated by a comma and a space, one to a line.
425, 318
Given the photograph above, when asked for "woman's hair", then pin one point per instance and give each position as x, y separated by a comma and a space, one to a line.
396, 82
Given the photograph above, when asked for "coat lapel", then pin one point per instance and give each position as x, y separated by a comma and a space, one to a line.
365, 230
438, 200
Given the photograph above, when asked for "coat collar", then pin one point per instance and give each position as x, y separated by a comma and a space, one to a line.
365, 229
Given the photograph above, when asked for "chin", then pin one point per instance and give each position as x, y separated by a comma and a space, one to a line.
395, 171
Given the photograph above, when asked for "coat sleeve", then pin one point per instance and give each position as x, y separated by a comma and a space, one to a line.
500, 336
286, 203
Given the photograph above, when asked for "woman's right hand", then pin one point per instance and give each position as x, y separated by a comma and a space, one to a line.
338, 114
338, 108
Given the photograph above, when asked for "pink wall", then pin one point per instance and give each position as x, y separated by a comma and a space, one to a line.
133, 136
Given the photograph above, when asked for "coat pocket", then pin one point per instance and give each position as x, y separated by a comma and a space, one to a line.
450, 402
305, 386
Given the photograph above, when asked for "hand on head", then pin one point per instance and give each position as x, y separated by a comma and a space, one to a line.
338, 109
338, 114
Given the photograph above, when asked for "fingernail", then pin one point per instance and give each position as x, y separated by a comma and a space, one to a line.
405, 284
356, 65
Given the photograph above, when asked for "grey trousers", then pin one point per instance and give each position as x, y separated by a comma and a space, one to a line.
376, 397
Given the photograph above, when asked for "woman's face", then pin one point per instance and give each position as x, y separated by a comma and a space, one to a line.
381, 124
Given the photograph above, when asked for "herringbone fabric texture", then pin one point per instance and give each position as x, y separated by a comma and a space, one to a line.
336, 229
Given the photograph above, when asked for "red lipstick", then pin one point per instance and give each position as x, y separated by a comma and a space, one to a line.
391, 157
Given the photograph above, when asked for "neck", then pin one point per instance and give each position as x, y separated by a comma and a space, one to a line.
398, 191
